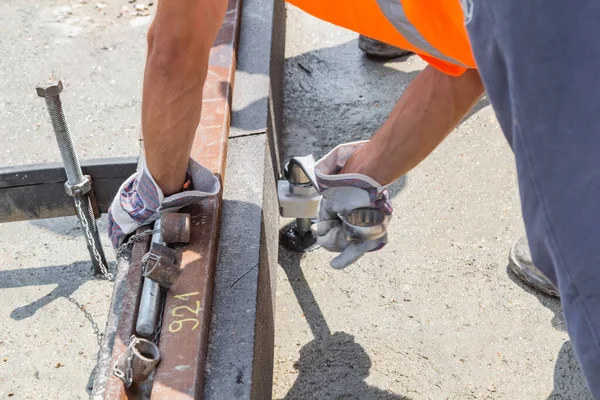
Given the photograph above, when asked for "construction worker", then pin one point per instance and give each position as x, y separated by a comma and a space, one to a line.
522, 52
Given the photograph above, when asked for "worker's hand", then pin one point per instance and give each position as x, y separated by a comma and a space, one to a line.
140, 200
343, 193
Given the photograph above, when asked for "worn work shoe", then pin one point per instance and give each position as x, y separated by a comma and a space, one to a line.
521, 264
375, 48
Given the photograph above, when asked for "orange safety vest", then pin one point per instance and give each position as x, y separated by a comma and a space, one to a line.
433, 29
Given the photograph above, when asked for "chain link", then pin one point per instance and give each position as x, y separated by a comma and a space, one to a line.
89, 317
99, 338
133, 238
90, 240
88, 235
127, 375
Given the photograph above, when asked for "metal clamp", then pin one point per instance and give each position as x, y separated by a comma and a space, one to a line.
80, 188
299, 198
159, 265
138, 361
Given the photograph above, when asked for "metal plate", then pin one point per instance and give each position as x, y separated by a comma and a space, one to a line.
38, 191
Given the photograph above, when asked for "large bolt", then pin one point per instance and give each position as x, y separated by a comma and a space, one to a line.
50, 90
299, 237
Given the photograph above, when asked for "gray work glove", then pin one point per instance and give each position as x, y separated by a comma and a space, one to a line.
140, 200
343, 193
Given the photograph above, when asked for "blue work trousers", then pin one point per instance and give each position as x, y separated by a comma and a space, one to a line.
540, 63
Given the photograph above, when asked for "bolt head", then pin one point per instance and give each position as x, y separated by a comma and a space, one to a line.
49, 88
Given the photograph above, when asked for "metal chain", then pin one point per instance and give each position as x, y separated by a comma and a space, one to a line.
90, 240
129, 369
133, 238
88, 316
127, 375
88, 234
99, 337
158, 327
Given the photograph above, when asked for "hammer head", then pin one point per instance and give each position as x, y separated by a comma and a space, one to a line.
49, 88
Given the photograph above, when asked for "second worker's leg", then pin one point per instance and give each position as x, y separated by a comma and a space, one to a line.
539, 63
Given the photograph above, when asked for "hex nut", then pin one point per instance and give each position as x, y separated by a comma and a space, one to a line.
79, 189
49, 88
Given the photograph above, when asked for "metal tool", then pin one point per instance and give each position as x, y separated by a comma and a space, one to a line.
77, 186
299, 198
175, 227
160, 265
138, 361
150, 298
365, 223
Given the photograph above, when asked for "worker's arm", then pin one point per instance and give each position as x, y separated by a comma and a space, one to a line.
179, 42
428, 110
430, 107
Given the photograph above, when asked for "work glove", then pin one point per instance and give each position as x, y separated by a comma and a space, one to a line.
140, 200
342, 193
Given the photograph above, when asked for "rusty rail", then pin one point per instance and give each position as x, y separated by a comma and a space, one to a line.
186, 318
128, 314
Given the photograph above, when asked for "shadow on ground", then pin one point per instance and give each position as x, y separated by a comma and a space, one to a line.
333, 365
352, 109
64, 226
68, 279
569, 382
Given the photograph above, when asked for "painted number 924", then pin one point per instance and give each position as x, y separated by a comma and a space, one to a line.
184, 313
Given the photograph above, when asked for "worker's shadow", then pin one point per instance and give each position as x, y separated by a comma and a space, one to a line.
569, 382
333, 365
69, 226
68, 279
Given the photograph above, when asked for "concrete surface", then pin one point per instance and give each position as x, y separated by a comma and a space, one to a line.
435, 314
51, 308
240, 356
240, 353
98, 49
